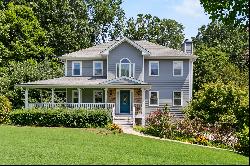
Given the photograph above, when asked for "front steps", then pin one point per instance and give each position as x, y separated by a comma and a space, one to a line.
123, 120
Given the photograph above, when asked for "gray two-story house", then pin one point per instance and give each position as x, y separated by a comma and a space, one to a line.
129, 77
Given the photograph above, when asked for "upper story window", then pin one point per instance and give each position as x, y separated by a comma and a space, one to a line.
177, 98
177, 68
76, 68
97, 68
125, 68
153, 68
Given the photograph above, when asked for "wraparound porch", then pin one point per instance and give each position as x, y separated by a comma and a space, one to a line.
112, 100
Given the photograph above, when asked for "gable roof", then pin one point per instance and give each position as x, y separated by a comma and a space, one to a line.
143, 50
123, 80
152, 50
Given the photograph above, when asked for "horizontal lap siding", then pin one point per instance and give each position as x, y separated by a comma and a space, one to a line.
87, 68
166, 83
125, 50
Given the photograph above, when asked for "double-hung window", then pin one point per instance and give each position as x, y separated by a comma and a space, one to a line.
98, 96
153, 98
76, 68
177, 98
125, 68
75, 96
153, 68
97, 68
177, 68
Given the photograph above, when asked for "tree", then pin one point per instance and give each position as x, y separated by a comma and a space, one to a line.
65, 21
21, 36
230, 12
219, 102
106, 18
231, 40
76, 24
165, 32
26, 71
213, 65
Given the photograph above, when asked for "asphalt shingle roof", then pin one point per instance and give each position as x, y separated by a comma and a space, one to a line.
155, 50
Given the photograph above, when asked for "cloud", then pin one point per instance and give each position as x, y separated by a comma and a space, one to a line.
190, 8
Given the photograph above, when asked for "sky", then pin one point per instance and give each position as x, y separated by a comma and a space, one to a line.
187, 12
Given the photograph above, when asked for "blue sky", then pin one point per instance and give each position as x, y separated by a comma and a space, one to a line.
187, 12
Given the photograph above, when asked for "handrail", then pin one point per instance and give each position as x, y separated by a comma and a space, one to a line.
73, 105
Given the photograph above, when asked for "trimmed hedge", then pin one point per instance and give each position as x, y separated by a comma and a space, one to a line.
56, 117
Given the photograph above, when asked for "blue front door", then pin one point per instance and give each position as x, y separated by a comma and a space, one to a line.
125, 101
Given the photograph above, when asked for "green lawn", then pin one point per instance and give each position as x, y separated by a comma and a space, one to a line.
40, 145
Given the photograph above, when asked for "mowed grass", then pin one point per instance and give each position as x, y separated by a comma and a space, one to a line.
40, 145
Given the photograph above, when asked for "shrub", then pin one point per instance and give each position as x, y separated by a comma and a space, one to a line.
243, 143
160, 123
55, 117
114, 127
218, 102
5, 108
139, 129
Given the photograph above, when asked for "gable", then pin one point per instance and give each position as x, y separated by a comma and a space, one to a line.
130, 42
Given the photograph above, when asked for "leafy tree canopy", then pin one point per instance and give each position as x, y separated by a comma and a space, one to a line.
21, 36
230, 12
26, 71
231, 40
77, 24
165, 32
212, 65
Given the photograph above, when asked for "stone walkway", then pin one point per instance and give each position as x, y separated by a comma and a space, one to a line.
130, 130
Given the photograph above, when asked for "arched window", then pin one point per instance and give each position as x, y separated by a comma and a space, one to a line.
125, 68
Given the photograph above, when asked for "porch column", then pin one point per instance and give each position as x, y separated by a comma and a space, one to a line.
79, 96
26, 96
143, 106
53, 97
106, 97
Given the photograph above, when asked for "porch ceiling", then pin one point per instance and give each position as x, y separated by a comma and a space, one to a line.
86, 82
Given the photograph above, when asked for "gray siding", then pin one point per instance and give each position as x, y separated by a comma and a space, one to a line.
87, 95
87, 68
166, 83
125, 50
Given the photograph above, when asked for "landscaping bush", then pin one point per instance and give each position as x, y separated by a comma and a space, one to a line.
243, 143
227, 104
55, 117
160, 123
114, 127
5, 108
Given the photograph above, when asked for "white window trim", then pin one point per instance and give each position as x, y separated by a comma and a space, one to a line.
157, 98
130, 69
72, 97
181, 68
178, 98
94, 62
150, 62
73, 62
94, 95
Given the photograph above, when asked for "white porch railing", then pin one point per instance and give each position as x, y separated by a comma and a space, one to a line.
73, 105
137, 112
